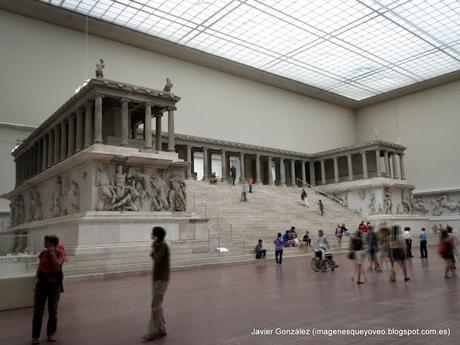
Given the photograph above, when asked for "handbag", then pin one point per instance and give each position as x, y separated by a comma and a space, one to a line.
442, 248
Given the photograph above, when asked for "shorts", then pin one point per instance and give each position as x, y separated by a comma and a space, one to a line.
398, 254
359, 256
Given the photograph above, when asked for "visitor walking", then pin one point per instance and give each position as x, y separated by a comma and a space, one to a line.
446, 250
233, 173
357, 254
278, 249
304, 197
338, 235
321, 208
306, 241
372, 248
244, 190
161, 268
423, 244
250, 183
48, 288
397, 253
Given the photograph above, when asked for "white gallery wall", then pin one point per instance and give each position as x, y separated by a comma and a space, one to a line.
428, 123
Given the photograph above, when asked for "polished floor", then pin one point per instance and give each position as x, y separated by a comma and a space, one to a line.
222, 306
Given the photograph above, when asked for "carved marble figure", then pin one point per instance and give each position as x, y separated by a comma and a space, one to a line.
56, 199
387, 203
35, 210
168, 85
100, 69
177, 196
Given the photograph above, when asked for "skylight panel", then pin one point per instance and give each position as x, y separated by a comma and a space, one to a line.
355, 48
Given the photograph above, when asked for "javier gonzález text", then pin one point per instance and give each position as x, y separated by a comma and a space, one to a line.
280, 331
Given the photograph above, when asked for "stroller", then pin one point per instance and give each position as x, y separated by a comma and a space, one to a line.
319, 264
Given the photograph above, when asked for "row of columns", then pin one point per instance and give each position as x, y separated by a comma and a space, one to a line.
79, 130
390, 171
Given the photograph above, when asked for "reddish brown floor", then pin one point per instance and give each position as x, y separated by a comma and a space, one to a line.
223, 305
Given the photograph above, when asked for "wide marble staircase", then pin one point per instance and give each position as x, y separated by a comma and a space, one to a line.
233, 225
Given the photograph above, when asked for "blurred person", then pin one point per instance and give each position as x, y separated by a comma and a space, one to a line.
408, 240
446, 250
372, 248
398, 254
306, 241
338, 235
233, 173
357, 250
244, 190
304, 197
250, 183
213, 179
160, 255
48, 288
323, 245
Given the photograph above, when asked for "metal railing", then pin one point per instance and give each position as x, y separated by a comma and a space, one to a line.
340, 202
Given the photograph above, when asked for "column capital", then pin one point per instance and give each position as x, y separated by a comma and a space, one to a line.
157, 114
171, 108
148, 104
124, 99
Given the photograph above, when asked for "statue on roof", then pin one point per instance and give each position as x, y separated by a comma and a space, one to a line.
376, 134
168, 85
100, 69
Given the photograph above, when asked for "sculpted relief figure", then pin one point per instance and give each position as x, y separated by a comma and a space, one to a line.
56, 199
437, 207
160, 191
35, 209
104, 189
177, 196
419, 206
452, 206
371, 204
17, 214
387, 203
73, 197
168, 85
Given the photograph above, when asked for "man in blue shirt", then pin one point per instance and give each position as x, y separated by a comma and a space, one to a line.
423, 242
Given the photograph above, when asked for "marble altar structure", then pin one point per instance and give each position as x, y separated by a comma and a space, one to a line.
92, 174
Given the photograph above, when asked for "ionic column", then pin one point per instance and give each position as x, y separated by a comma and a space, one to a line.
45, 152
323, 173
189, 159
387, 164
171, 129
350, 167
258, 176
98, 120
242, 174
158, 132
364, 159
56, 145
88, 125
148, 127
304, 174
312, 173
293, 181
336, 169
71, 146
50, 148
32, 160
224, 165
401, 166
79, 130
270, 172
282, 172
205, 164
124, 122
377, 162
395, 166
63, 140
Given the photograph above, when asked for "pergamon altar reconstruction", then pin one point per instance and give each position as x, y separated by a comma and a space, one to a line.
229, 172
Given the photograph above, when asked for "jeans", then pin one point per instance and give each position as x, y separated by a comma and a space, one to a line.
279, 256
157, 323
423, 250
44, 292
261, 254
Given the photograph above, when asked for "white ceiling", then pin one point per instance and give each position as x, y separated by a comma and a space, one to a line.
354, 48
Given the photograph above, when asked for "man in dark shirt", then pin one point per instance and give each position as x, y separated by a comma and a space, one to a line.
233, 173
161, 262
